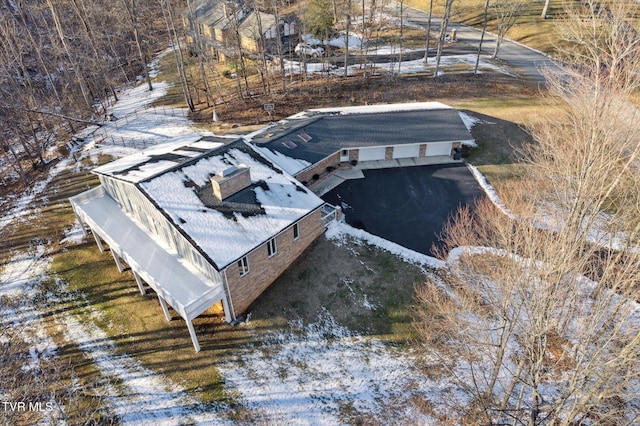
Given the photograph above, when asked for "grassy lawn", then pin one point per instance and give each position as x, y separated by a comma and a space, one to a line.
53, 215
366, 289
529, 29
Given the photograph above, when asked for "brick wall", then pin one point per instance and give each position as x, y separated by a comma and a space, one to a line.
353, 154
224, 187
263, 270
423, 150
454, 146
307, 175
388, 153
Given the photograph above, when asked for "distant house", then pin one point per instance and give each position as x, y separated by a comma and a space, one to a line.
201, 222
310, 143
223, 26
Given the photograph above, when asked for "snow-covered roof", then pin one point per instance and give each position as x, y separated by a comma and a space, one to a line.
374, 109
227, 230
160, 158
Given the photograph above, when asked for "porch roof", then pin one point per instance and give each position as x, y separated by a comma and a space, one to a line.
187, 290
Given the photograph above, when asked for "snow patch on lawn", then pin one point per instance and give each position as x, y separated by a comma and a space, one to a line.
416, 66
310, 374
490, 191
142, 396
73, 235
337, 231
19, 210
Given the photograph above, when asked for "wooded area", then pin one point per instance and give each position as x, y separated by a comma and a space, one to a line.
61, 63
539, 305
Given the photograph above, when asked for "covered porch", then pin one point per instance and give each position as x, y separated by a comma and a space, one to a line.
176, 283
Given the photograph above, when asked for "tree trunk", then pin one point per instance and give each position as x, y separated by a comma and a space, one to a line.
484, 29
443, 33
346, 41
76, 69
545, 9
426, 47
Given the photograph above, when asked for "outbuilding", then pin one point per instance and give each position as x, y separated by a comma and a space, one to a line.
319, 140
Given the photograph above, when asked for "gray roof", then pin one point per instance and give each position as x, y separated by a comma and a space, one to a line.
332, 132
250, 26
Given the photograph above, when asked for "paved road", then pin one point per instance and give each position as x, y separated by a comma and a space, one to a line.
527, 61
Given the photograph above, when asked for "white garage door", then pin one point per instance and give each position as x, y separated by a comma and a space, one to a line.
371, 154
406, 151
438, 149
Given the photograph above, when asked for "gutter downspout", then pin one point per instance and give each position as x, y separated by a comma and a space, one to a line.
228, 295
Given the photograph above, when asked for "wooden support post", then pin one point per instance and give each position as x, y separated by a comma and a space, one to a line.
84, 230
98, 242
139, 282
117, 259
165, 309
227, 311
194, 338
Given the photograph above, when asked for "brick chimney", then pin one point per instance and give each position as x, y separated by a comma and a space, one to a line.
230, 181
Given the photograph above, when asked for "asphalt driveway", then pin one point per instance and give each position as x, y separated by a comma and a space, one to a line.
408, 206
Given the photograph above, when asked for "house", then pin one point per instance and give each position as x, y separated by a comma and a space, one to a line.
311, 143
201, 220
224, 27
205, 220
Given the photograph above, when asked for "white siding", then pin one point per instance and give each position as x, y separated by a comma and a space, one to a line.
371, 154
443, 148
145, 213
406, 151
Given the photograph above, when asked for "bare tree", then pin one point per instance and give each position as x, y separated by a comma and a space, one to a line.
72, 59
348, 12
545, 9
540, 307
506, 13
131, 6
177, 52
426, 44
484, 30
443, 33
601, 41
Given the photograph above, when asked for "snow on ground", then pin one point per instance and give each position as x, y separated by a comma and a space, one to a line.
337, 232
601, 232
315, 370
141, 395
489, 190
19, 210
602, 229
470, 60
405, 67
356, 41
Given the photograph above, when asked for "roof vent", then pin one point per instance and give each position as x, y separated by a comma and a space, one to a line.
230, 181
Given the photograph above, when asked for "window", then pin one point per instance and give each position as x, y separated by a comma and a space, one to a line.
243, 266
272, 249
296, 231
